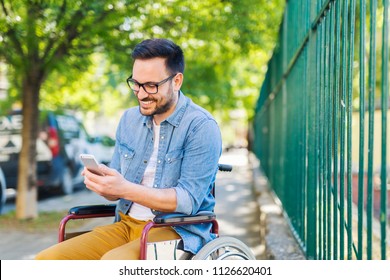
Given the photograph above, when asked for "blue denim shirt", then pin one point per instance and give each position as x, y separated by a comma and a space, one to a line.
188, 153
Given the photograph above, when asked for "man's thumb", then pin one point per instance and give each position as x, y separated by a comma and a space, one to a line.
106, 170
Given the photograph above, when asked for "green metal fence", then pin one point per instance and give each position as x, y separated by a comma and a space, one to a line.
321, 126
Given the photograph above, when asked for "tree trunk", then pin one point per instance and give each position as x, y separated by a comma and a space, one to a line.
27, 193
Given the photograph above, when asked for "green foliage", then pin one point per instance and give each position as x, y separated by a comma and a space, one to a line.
69, 54
83, 48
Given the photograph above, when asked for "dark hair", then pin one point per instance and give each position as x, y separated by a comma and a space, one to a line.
164, 48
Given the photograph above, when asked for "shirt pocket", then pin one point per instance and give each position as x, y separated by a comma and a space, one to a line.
173, 161
126, 157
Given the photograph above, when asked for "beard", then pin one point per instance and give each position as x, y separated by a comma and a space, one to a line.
160, 105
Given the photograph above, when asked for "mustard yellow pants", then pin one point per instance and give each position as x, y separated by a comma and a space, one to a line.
117, 241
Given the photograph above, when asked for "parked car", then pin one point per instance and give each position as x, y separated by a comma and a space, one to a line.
3, 196
102, 147
61, 139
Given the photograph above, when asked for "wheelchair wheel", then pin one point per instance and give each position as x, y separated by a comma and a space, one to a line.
225, 248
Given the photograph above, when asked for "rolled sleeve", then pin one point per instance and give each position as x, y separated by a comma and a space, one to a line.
184, 204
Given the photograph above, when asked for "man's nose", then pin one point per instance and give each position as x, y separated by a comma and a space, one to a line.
142, 93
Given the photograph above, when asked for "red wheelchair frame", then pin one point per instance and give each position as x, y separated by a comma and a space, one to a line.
162, 220
99, 211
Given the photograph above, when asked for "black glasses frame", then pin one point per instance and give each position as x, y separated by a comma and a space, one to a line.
130, 81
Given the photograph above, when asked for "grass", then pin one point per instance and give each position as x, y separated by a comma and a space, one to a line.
45, 221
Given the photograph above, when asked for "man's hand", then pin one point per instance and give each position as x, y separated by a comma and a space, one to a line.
111, 185
114, 186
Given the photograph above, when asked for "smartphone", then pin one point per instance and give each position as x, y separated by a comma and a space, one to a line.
90, 163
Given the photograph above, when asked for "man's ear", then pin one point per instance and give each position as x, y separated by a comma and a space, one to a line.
178, 81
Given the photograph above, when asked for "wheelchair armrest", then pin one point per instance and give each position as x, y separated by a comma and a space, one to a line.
179, 217
85, 212
176, 219
93, 209
225, 167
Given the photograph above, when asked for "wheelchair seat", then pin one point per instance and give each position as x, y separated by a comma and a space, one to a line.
223, 247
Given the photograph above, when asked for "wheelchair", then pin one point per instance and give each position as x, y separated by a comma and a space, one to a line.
221, 248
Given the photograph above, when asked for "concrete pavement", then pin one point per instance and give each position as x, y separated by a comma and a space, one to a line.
23, 245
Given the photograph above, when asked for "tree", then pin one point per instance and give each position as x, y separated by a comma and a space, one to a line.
44, 40
37, 38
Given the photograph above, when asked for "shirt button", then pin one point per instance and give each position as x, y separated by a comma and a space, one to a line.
126, 155
145, 161
162, 137
155, 186
159, 161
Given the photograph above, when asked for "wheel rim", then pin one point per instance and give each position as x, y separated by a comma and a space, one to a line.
224, 248
226, 253
229, 254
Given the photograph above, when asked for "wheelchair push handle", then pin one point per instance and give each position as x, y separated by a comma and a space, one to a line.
225, 167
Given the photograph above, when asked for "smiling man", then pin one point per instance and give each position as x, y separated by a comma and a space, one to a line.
162, 105
165, 160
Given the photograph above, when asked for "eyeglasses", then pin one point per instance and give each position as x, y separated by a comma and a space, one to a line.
149, 87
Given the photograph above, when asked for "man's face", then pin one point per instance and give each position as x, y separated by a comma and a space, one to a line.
161, 104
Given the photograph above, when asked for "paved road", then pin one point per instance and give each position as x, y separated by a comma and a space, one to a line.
236, 209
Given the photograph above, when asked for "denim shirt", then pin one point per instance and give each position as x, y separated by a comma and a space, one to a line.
187, 161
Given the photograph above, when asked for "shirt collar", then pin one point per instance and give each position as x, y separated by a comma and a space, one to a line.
177, 115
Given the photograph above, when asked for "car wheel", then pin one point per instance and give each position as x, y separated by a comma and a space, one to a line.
67, 181
2, 191
2, 198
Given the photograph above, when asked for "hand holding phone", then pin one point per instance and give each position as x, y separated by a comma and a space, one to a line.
91, 164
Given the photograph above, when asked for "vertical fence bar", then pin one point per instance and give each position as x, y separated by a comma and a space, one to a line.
362, 110
283, 172
330, 130
371, 109
304, 108
311, 149
323, 137
336, 109
301, 133
342, 122
385, 108
319, 120
326, 213
349, 132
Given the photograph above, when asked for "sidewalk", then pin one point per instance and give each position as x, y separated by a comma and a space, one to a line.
234, 191
22, 245
276, 236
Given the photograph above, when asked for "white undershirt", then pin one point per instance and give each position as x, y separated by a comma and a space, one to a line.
139, 211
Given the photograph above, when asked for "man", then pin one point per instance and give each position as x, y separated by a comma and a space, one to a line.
165, 160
